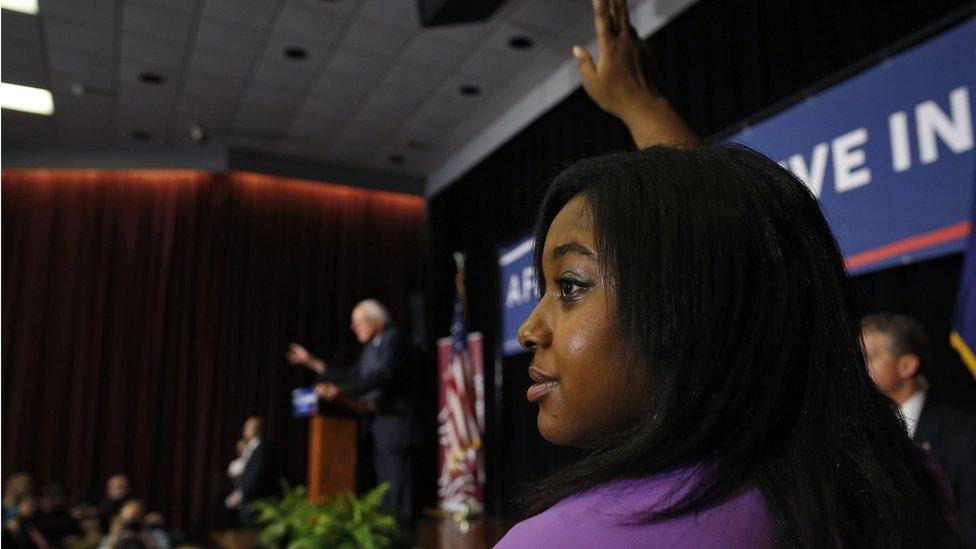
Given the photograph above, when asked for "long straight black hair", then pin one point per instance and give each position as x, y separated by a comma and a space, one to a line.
732, 293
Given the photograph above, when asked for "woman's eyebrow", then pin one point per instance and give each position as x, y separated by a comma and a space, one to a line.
571, 247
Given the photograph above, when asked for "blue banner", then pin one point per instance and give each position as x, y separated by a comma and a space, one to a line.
519, 292
304, 402
888, 152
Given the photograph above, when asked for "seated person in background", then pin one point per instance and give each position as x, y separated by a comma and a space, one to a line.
22, 529
127, 529
118, 490
256, 474
696, 334
897, 348
156, 525
18, 486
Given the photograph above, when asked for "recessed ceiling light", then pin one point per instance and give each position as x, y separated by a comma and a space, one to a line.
397, 159
141, 135
469, 90
153, 78
23, 6
26, 98
520, 42
296, 53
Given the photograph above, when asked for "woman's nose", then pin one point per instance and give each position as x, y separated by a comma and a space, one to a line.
534, 333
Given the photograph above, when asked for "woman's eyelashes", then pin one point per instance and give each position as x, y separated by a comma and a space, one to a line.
571, 288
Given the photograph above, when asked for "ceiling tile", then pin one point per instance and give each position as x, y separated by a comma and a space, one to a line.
364, 66
315, 25
550, 15
23, 50
19, 24
96, 69
80, 37
316, 126
152, 54
17, 71
250, 13
377, 37
395, 14
492, 67
412, 76
206, 110
161, 24
136, 98
221, 64
222, 37
395, 97
27, 129
279, 75
467, 34
82, 133
222, 87
61, 82
435, 52
189, 6
94, 12
273, 122
269, 97
330, 90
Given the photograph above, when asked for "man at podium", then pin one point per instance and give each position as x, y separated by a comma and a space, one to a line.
380, 377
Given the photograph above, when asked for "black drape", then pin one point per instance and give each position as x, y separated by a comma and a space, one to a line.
721, 62
146, 314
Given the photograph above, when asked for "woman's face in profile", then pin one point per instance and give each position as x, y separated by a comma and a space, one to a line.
582, 383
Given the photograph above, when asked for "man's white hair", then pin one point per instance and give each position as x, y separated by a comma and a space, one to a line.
373, 309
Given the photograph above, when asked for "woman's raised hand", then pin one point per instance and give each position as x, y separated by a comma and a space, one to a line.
620, 85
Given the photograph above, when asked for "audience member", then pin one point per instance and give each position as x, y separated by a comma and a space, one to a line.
897, 349
127, 530
22, 529
18, 486
117, 491
256, 477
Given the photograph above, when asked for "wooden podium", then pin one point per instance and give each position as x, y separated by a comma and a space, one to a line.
332, 446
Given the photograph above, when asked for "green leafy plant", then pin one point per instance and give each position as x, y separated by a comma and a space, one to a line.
343, 521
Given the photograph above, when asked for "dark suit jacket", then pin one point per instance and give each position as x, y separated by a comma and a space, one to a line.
256, 478
382, 375
950, 434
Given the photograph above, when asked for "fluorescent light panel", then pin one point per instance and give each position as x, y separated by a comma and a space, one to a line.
23, 6
26, 98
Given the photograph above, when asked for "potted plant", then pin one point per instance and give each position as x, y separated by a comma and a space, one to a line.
343, 521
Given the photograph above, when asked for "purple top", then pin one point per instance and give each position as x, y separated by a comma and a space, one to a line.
598, 519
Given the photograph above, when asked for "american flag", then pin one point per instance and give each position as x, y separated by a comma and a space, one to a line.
461, 419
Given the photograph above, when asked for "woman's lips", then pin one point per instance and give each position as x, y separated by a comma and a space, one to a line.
544, 384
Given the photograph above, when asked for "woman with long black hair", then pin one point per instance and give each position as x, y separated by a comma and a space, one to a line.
697, 333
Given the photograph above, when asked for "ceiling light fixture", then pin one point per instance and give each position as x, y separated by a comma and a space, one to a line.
520, 42
26, 99
469, 90
296, 53
152, 78
23, 6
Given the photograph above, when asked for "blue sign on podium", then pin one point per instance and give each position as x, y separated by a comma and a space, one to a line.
304, 402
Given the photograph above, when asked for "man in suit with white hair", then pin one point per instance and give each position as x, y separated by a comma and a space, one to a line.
381, 377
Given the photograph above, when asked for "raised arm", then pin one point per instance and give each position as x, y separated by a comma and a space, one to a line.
619, 83
299, 356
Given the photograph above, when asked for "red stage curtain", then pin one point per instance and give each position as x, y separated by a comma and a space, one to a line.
146, 313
